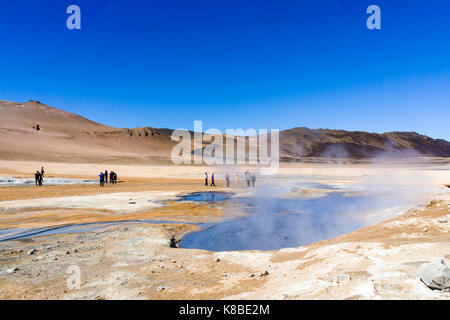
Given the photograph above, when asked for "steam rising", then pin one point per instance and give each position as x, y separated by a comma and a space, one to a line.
278, 216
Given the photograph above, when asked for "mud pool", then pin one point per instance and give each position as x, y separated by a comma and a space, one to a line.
273, 223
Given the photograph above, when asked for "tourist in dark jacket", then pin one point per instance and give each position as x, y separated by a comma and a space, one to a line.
36, 177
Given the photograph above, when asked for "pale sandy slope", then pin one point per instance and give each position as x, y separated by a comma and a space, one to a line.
64, 136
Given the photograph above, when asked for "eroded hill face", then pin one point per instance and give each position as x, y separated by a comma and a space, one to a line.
35, 131
303, 142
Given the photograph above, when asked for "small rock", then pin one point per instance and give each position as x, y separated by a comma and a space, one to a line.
265, 273
20, 251
217, 260
67, 252
425, 230
32, 251
436, 275
81, 241
75, 250
55, 258
340, 278
13, 270
160, 288
443, 220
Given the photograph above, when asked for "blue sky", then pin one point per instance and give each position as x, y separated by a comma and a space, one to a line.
233, 64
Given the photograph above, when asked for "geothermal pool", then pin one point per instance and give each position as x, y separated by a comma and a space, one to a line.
273, 223
269, 217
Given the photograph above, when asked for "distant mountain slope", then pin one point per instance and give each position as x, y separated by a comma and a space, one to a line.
303, 142
35, 131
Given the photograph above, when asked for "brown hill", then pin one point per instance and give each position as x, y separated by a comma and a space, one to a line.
303, 142
35, 131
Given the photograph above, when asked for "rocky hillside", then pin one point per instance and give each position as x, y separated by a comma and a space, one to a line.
303, 142
35, 131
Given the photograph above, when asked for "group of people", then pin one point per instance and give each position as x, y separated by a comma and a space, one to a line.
39, 177
104, 177
250, 179
213, 183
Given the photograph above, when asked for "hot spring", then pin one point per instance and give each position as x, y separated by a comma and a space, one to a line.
272, 223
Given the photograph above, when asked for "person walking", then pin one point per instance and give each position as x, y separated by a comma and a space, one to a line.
115, 177
111, 177
212, 180
106, 177
253, 179
227, 179
102, 179
206, 178
42, 172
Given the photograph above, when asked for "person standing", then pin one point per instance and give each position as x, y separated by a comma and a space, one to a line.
227, 179
106, 177
247, 178
111, 177
212, 180
42, 172
36, 177
206, 178
40, 180
253, 179
102, 179
237, 180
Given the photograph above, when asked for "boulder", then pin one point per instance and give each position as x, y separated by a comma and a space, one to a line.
436, 275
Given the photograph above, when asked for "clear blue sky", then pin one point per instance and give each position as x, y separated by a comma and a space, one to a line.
234, 63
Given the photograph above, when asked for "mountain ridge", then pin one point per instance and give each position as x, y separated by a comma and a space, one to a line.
35, 131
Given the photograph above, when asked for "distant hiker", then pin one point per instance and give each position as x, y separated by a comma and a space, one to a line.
106, 176
227, 179
206, 178
253, 179
212, 180
111, 177
42, 172
115, 178
37, 177
102, 179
